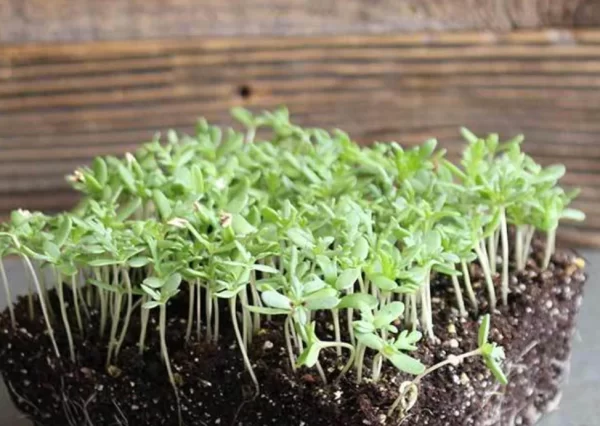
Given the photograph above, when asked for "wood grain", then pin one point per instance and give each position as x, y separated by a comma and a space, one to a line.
60, 106
87, 20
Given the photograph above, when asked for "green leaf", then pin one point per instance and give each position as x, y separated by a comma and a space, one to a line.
239, 201
347, 278
241, 226
361, 248
153, 282
129, 208
196, 274
267, 311
468, 135
63, 231
151, 292
67, 269
227, 294
314, 284
406, 363
276, 300
198, 179
172, 283
358, 301
300, 315
151, 304
573, 214
243, 116
301, 238
328, 267
550, 174
92, 184
384, 283
388, 314
322, 299
370, 340
51, 250
445, 269
322, 303
100, 170
162, 203
309, 356
103, 262
138, 261
496, 370
484, 330
270, 215
265, 268
104, 286
406, 341
126, 177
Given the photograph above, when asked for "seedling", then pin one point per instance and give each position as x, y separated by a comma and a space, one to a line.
307, 229
492, 355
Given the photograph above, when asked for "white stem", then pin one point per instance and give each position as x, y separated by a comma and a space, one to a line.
550, 247
413, 311
9, 300
128, 313
484, 261
217, 320
116, 316
377, 362
359, 362
519, 248
288, 342
429, 324
63, 313
198, 310
75, 296
505, 260
255, 301
459, 298
209, 313
190, 318
336, 329
468, 286
492, 252
165, 355
42, 304
423, 294
350, 361
144, 316
245, 321
321, 372
453, 359
240, 340
527, 246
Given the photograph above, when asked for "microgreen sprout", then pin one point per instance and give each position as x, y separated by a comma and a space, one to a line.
306, 229
492, 355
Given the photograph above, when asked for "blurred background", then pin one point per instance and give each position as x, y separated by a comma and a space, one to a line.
80, 78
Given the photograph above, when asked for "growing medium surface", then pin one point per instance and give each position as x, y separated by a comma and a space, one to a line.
308, 255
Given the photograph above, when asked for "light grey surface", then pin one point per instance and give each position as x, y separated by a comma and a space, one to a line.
581, 398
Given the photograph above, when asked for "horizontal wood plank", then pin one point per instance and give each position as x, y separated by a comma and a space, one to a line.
61, 106
78, 20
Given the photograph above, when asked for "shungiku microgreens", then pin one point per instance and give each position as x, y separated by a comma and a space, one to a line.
305, 225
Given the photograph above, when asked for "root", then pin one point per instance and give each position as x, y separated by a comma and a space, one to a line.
22, 399
120, 417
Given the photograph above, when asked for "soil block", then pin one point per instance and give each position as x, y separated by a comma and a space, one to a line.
535, 329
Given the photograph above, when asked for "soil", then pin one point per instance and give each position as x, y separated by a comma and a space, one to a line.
535, 330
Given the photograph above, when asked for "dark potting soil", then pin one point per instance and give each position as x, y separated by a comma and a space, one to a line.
535, 329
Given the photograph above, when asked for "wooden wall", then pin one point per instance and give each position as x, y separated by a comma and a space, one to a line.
62, 103
92, 20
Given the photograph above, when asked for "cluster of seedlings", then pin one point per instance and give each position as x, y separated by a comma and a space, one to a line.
305, 226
